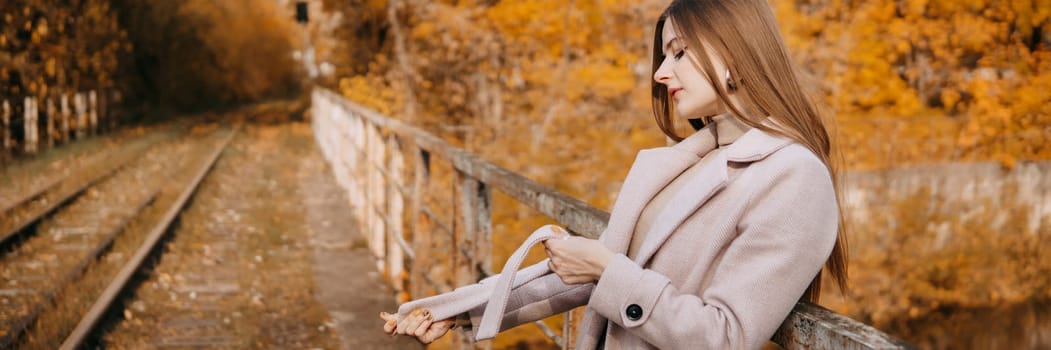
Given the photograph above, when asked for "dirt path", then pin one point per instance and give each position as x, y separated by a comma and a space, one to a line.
347, 282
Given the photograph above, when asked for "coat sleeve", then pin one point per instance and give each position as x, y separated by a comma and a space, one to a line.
536, 300
784, 236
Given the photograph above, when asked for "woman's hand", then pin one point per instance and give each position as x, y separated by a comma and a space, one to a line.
418, 324
577, 260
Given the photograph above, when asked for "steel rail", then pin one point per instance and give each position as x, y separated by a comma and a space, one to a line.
120, 282
18, 327
9, 233
34, 194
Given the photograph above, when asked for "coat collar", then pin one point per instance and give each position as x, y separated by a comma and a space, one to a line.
655, 168
723, 131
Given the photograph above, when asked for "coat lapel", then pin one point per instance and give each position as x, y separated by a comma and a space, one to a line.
652, 170
708, 181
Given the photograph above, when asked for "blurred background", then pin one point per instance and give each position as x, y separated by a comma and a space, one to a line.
942, 112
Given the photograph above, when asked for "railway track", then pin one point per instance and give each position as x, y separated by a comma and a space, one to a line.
22, 213
60, 237
237, 272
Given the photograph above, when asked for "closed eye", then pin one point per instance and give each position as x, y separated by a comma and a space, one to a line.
679, 54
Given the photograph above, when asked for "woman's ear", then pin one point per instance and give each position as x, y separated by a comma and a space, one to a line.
731, 85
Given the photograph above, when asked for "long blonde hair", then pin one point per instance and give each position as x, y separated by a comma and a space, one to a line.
745, 34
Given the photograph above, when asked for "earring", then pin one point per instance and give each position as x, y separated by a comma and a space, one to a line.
730, 85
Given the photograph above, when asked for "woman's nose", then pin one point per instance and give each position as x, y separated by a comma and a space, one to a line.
663, 74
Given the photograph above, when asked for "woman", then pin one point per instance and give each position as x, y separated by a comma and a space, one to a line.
712, 241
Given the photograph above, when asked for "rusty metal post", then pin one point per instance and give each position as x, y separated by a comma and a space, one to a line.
473, 232
5, 134
567, 330
421, 228
93, 116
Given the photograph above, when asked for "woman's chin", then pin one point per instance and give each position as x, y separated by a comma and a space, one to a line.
686, 115
693, 116
691, 113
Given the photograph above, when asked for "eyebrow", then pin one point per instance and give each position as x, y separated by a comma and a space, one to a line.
668, 44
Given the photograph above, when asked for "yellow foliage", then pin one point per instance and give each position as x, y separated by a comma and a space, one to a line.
977, 64
41, 57
368, 92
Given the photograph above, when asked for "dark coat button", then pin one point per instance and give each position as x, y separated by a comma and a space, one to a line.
634, 312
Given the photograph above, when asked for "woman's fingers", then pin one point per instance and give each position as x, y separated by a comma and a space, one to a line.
419, 323
390, 322
554, 246
420, 330
436, 330
410, 323
553, 259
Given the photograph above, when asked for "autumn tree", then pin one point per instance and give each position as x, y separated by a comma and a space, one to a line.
190, 55
529, 78
46, 48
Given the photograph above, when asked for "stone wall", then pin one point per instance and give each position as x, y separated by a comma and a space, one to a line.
973, 187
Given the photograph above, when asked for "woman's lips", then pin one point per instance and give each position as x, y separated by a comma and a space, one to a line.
674, 92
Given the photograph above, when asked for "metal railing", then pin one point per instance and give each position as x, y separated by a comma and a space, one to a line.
368, 153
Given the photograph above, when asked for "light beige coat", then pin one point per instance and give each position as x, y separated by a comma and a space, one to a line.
723, 263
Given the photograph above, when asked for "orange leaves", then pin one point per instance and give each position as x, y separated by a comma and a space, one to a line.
524, 20
1030, 13
604, 81
949, 98
977, 63
370, 92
